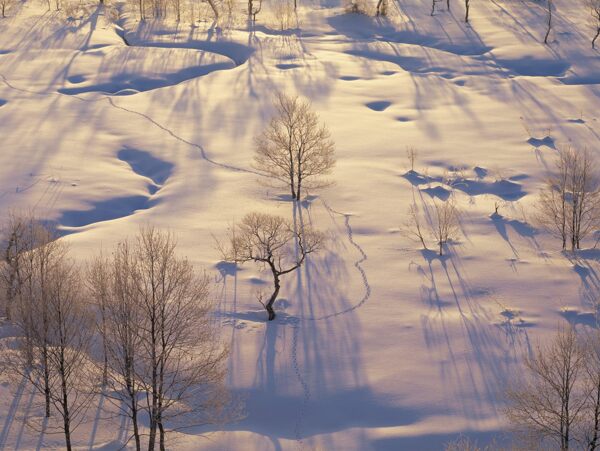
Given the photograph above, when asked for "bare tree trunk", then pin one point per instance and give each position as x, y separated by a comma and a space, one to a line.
65, 401
46, 383
595, 38
593, 445
549, 21
134, 411
161, 430
214, 8
467, 6
273, 298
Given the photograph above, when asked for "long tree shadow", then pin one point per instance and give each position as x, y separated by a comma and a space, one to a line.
461, 316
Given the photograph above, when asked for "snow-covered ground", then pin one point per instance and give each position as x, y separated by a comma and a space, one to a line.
378, 345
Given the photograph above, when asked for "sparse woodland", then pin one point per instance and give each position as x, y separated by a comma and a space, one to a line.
135, 326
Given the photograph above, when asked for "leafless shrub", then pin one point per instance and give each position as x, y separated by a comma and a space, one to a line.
295, 150
283, 13
569, 205
269, 240
411, 155
463, 443
439, 223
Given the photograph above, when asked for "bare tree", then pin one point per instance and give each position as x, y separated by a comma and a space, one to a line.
549, 403
569, 205
445, 223
253, 10
268, 240
18, 235
181, 362
413, 227
440, 223
591, 423
70, 334
56, 330
36, 268
594, 6
5, 5
214, 8
112, 289
295, 149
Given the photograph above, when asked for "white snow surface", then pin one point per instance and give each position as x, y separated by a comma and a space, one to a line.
378, 345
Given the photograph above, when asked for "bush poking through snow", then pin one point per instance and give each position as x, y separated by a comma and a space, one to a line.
438, 223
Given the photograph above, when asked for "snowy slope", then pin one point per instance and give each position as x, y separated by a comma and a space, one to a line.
378, 345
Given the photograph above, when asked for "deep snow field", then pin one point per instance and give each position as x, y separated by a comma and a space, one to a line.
378, 345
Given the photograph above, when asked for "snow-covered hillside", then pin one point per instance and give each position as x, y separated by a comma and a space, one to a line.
107, 124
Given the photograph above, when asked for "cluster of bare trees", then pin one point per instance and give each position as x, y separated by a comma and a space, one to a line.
467, 7
136, 325
294, 152
557, 402
569, 204
180, 9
